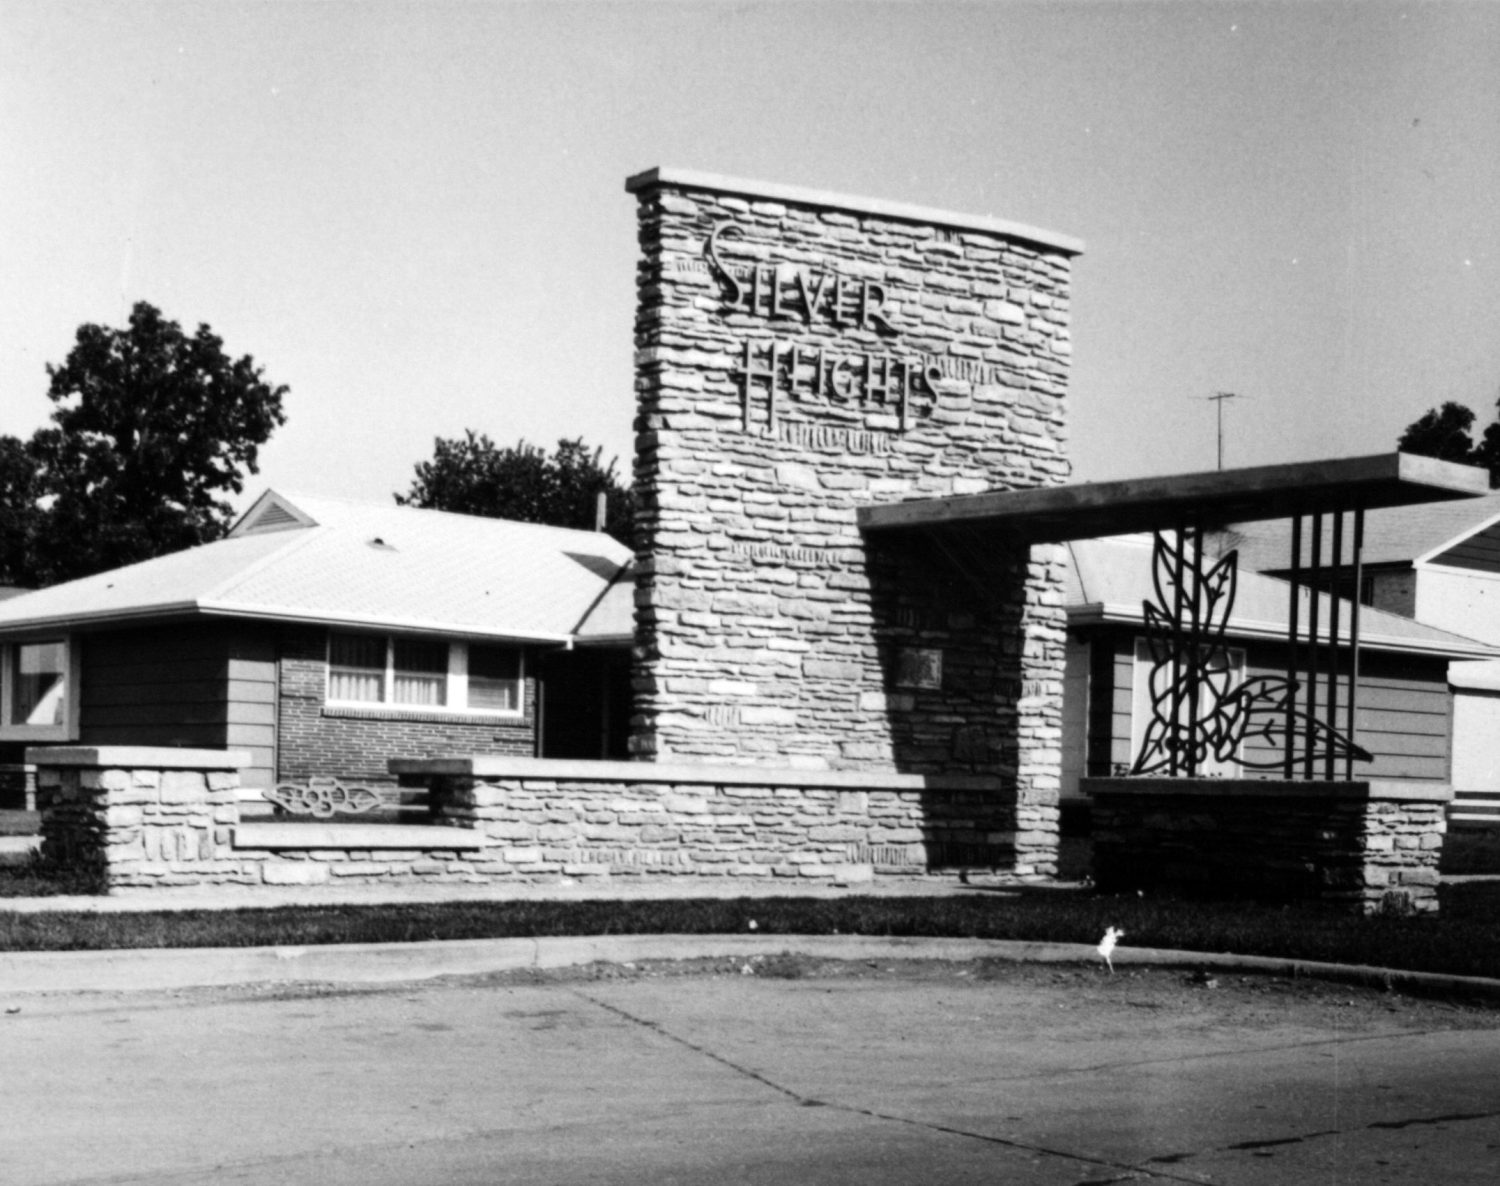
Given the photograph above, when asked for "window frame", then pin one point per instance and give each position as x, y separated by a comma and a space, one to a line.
69, 728
455, 687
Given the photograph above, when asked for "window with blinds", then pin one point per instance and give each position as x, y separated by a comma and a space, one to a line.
419, 672
356, 668
423, 673
494, 678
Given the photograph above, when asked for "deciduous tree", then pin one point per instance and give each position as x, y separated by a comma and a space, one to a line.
151, 428
473, 476
1444, 433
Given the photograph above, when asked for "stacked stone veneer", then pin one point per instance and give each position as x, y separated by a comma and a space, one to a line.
1366, 845
160, 817
631, 819
165, 818
144, 815
911, 355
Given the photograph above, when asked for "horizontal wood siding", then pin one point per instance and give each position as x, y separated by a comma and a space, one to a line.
250, 697
1403, 716
1404, 712
1110, 682
161, 685
1480, 552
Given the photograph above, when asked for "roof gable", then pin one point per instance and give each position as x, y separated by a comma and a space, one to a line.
271, 512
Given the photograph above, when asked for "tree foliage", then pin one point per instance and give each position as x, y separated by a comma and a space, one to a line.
151, 428
472, 476
20, 517
1444, 433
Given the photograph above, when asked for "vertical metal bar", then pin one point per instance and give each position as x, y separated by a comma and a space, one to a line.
1359, 584
1195, 639
1294, 614
1333, 638
1314, 573
1174, 733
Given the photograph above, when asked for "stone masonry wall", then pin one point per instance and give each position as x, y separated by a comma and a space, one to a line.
796, 360
589, 827
1365, 845
143, 817
170, 818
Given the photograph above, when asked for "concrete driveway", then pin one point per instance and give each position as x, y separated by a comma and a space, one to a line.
757, 1071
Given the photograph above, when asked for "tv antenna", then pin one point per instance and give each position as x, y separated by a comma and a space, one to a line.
1218, 399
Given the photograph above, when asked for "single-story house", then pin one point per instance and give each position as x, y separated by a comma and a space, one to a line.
1405, 708
1437, 562
324, 637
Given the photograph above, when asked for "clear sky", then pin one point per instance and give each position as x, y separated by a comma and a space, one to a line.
413, 214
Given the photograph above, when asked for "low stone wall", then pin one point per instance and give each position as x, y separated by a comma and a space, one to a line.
591, 819
166, 817
145, 815
1369, 845
170, 817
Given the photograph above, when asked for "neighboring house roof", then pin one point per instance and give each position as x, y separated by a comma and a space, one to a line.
1109, 580
1397, 535
292, 558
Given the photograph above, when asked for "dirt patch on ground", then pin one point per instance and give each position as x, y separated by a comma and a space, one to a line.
1084, 1001
1237, 996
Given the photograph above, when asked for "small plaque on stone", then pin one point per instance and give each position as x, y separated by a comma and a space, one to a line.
919, 667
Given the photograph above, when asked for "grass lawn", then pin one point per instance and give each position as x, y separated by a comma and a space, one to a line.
1463, 940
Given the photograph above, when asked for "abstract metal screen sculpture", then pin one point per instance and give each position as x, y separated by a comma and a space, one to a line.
1199, 713
324, 797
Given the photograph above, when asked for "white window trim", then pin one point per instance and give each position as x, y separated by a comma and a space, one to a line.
457, 688
68, 730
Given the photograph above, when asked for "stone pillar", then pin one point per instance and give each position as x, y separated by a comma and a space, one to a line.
801, 354
141, 815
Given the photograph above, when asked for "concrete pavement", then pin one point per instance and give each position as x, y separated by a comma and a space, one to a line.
948, 1060
800, 1072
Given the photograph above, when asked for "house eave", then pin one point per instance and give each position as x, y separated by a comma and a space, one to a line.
379, 622
175, 611
1102, 614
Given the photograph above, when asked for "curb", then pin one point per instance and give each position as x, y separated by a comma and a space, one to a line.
156, 969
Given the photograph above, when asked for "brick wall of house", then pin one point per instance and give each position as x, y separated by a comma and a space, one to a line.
313, 739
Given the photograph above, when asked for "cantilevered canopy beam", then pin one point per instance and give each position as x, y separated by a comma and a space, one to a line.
1196, 713
1056, 514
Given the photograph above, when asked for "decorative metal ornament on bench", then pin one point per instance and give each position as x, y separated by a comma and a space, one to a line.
1199, 714
324, 797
